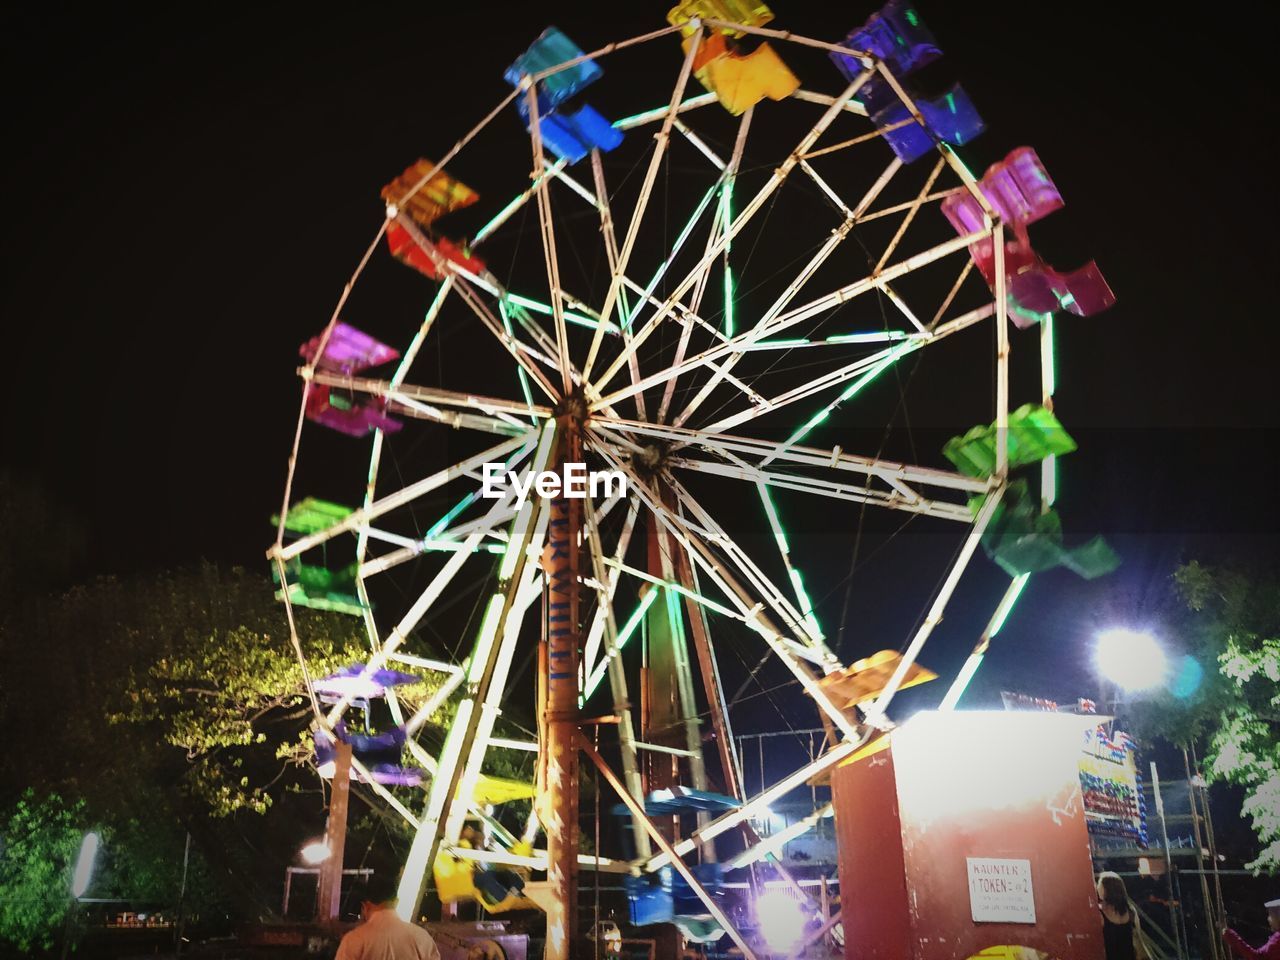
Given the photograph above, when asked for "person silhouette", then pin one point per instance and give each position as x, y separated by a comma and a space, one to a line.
1121, 937
383, 935
1269, 950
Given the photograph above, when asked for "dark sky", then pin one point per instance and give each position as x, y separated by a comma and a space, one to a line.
186, 197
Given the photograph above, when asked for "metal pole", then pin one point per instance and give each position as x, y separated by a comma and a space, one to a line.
1213, 846
563, 633
1214, 949
66, 927
1168, 860
182, 897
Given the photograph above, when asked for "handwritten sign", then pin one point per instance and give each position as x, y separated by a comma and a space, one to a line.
1000, 890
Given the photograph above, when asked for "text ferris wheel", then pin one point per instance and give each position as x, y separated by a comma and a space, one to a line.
648, 381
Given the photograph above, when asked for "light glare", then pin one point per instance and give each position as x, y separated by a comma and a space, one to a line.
782, 921
315, 852
84, 864
1132, 659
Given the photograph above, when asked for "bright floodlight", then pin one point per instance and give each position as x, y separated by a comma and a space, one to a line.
84, 864
1132, 659
782, 920
315, 852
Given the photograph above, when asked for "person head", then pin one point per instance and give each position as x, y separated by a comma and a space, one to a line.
377, 892
1112, 892
1273, 915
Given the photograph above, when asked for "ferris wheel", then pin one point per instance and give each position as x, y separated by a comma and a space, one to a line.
684, 304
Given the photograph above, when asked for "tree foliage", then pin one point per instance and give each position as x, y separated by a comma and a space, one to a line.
41, 838
167, 703
192, 670
225, 686
1232, 631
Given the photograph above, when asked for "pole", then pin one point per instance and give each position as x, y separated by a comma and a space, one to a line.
182, 897
1214, 951
1212, 843
66, 927
563, 636
1168, 861
329, 887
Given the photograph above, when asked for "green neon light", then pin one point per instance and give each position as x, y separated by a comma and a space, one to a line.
813, 421
625, 634
633, 622
1049, 481
524, 377
637, 118
498, 219
877, 337
774, 520
962, 682
497, 548
767, 344
662, 267
510, 557
806, 605
729, 326
852, 390
570, 317
1048, 361
434, 531
645, 116
673, 615
1006, 605
521, 522
698, 598
726, 220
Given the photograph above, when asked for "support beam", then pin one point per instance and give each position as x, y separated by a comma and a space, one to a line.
559, 759
329, 891
662, 138
749, 211
482, 664
637, 811
549, 240
875, 714
727, 821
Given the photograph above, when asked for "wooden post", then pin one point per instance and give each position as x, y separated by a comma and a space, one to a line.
562, 629
329, 887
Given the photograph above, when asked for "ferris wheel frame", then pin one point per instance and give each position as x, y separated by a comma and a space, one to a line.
527, 433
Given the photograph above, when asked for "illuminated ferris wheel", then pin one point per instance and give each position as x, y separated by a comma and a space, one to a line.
672, 313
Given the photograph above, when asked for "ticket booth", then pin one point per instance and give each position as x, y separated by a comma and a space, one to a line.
963, 835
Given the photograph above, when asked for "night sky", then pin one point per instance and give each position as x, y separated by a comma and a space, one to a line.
185, 199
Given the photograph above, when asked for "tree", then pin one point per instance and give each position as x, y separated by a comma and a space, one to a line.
224, 685
167, 703
41, 838
1232, 629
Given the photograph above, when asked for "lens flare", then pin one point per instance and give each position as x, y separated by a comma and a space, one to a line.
782, 921
315, 852
1132, 659
84, 864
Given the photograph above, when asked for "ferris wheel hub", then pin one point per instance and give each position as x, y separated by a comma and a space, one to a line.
574, 407
650, 460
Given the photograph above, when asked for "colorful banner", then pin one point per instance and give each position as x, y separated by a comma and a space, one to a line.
1112, 787
1109, 778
